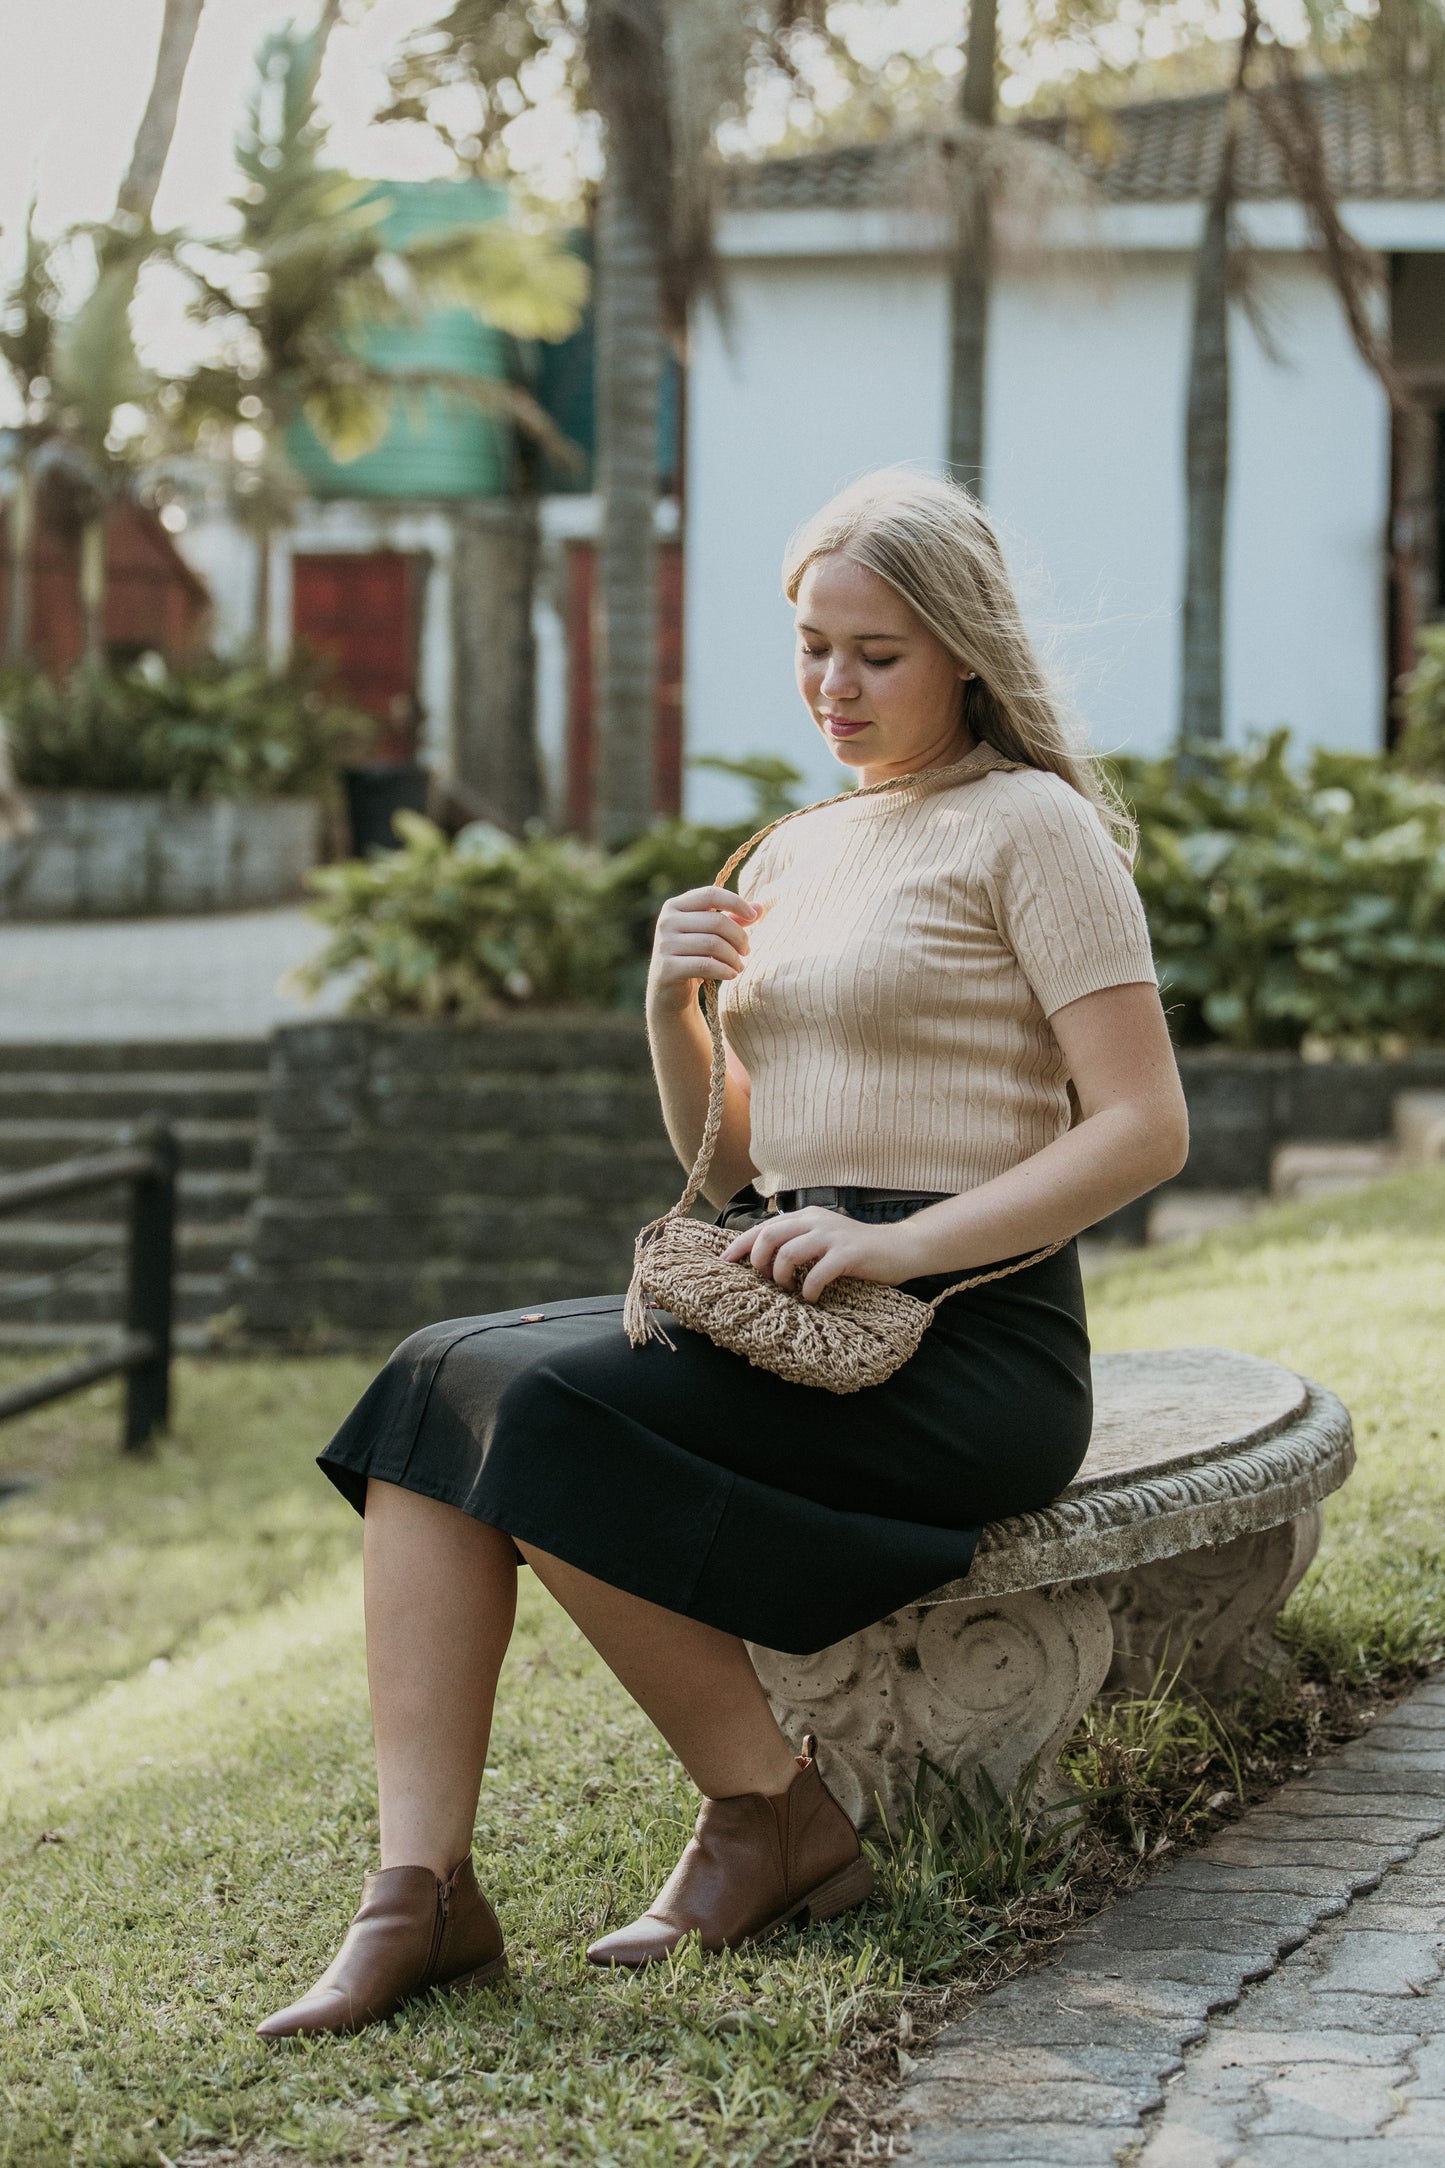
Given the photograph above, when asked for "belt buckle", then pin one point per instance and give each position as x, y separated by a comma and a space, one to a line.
827, 1195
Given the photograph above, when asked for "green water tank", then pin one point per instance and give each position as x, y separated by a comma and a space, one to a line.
439, 444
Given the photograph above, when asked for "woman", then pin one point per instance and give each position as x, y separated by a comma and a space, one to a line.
946, 1049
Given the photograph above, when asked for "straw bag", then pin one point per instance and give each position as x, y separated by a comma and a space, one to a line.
857, 1333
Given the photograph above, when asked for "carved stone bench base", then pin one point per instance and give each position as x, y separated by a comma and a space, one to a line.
992, 1685
1209, 1615
1192, 1518
998, 1684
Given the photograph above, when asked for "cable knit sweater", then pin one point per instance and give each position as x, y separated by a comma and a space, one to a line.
893, 1013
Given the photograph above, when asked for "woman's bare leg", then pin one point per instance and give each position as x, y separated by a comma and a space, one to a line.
698, 1685
441, 1595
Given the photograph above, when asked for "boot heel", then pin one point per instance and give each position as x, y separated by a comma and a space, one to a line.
850, 1887
480, 1978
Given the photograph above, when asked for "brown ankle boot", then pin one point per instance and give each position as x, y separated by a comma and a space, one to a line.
754, 1863
411, 1932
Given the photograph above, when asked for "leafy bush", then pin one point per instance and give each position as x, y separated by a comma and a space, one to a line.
1421, 707
214, 730
442, 929
460, 929
1289, 903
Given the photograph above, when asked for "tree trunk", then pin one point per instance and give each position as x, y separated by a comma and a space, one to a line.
629, 363
1206, 439
137, 195
92, 586
20, 523
494, 575
971, 262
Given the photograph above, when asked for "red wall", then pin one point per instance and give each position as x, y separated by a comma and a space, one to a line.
153, 599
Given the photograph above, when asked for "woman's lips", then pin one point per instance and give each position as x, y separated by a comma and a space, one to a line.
843, 726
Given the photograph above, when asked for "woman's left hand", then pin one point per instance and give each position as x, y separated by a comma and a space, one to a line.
805, 1250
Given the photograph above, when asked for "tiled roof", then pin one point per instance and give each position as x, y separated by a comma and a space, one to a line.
1165, 151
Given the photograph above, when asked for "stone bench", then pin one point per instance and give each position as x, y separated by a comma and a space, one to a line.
1193, 1517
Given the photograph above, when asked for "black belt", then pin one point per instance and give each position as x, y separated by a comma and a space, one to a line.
841, 1197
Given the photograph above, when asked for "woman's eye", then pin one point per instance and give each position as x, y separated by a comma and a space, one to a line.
880, 662
814, 651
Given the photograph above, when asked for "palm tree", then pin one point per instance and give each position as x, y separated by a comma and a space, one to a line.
294, 293
659, 75
72, 377
1403, 42
969, 282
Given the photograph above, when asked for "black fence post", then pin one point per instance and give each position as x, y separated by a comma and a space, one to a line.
149, 1279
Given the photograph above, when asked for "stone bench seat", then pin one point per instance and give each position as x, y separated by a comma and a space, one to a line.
1194, 1515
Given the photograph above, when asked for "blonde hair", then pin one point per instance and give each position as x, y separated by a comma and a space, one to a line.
935, 546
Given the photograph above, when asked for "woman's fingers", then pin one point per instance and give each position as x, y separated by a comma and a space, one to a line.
713, 899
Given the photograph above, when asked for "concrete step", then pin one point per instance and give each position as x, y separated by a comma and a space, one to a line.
90, 1301
209, 1095
30, 1246
1301, 1171
207, 1145
95, 1057
1420, 1128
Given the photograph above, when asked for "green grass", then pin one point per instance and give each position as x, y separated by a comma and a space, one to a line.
186, 1799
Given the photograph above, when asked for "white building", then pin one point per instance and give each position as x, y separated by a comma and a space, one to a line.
833, 358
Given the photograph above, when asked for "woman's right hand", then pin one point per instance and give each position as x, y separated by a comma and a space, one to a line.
700, 934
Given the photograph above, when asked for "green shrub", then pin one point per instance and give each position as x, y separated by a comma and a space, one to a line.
216, 729
461, 929
1421, 707
1293, 901
443, 929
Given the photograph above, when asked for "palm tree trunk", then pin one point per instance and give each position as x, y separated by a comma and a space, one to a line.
1206, 437
629, 363
92, 586
494, 578
20, 526
137, 194
972, 254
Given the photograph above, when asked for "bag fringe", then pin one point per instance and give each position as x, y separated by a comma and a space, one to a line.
638, 1322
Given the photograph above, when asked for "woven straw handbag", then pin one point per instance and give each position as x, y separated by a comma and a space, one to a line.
857, 1333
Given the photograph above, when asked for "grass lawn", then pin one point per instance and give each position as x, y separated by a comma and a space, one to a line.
186, 1801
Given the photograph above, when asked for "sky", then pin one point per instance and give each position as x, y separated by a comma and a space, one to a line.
74, 84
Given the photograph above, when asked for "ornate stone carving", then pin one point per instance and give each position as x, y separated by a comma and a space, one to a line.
1192, 1518
1209, 1614
989, 1685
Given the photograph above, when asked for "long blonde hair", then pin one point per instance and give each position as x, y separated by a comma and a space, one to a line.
935, 546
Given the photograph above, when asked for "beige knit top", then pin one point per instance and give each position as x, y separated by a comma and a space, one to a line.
893, 1012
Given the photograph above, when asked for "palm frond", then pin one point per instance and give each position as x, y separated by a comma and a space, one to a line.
528, 284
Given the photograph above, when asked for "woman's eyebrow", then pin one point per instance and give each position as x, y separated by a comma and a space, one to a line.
818, 630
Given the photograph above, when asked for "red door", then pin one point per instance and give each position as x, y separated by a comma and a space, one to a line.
667, 739
362, 610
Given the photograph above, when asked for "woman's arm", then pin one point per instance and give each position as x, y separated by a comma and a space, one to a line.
1134, 1134
700, 935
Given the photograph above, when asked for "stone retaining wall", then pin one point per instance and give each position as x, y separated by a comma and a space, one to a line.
412, 1172
103, 854
408, 1172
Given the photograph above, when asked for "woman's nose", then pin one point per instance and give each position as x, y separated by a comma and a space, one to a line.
837, 683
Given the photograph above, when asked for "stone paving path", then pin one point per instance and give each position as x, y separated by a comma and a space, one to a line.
207, 977
1275, 1999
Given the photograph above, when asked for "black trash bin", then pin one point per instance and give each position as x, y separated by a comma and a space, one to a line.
373, 794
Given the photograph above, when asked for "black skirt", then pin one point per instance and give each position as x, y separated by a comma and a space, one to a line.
780, 1512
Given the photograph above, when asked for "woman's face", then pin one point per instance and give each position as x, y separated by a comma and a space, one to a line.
883, 689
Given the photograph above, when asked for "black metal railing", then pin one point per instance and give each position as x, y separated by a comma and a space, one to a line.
143, 1352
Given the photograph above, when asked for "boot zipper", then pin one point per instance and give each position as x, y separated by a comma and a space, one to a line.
439, 1929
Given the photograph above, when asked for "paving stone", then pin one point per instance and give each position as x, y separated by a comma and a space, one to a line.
985, 2064
1428, 2067
1332, 1776
935, 2143
1275, 2000
1234, 2039
988, 2103
1223, 1878
1264, 1908
1325, 2100
1225, 1938
1303, 1851
1377, 1963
